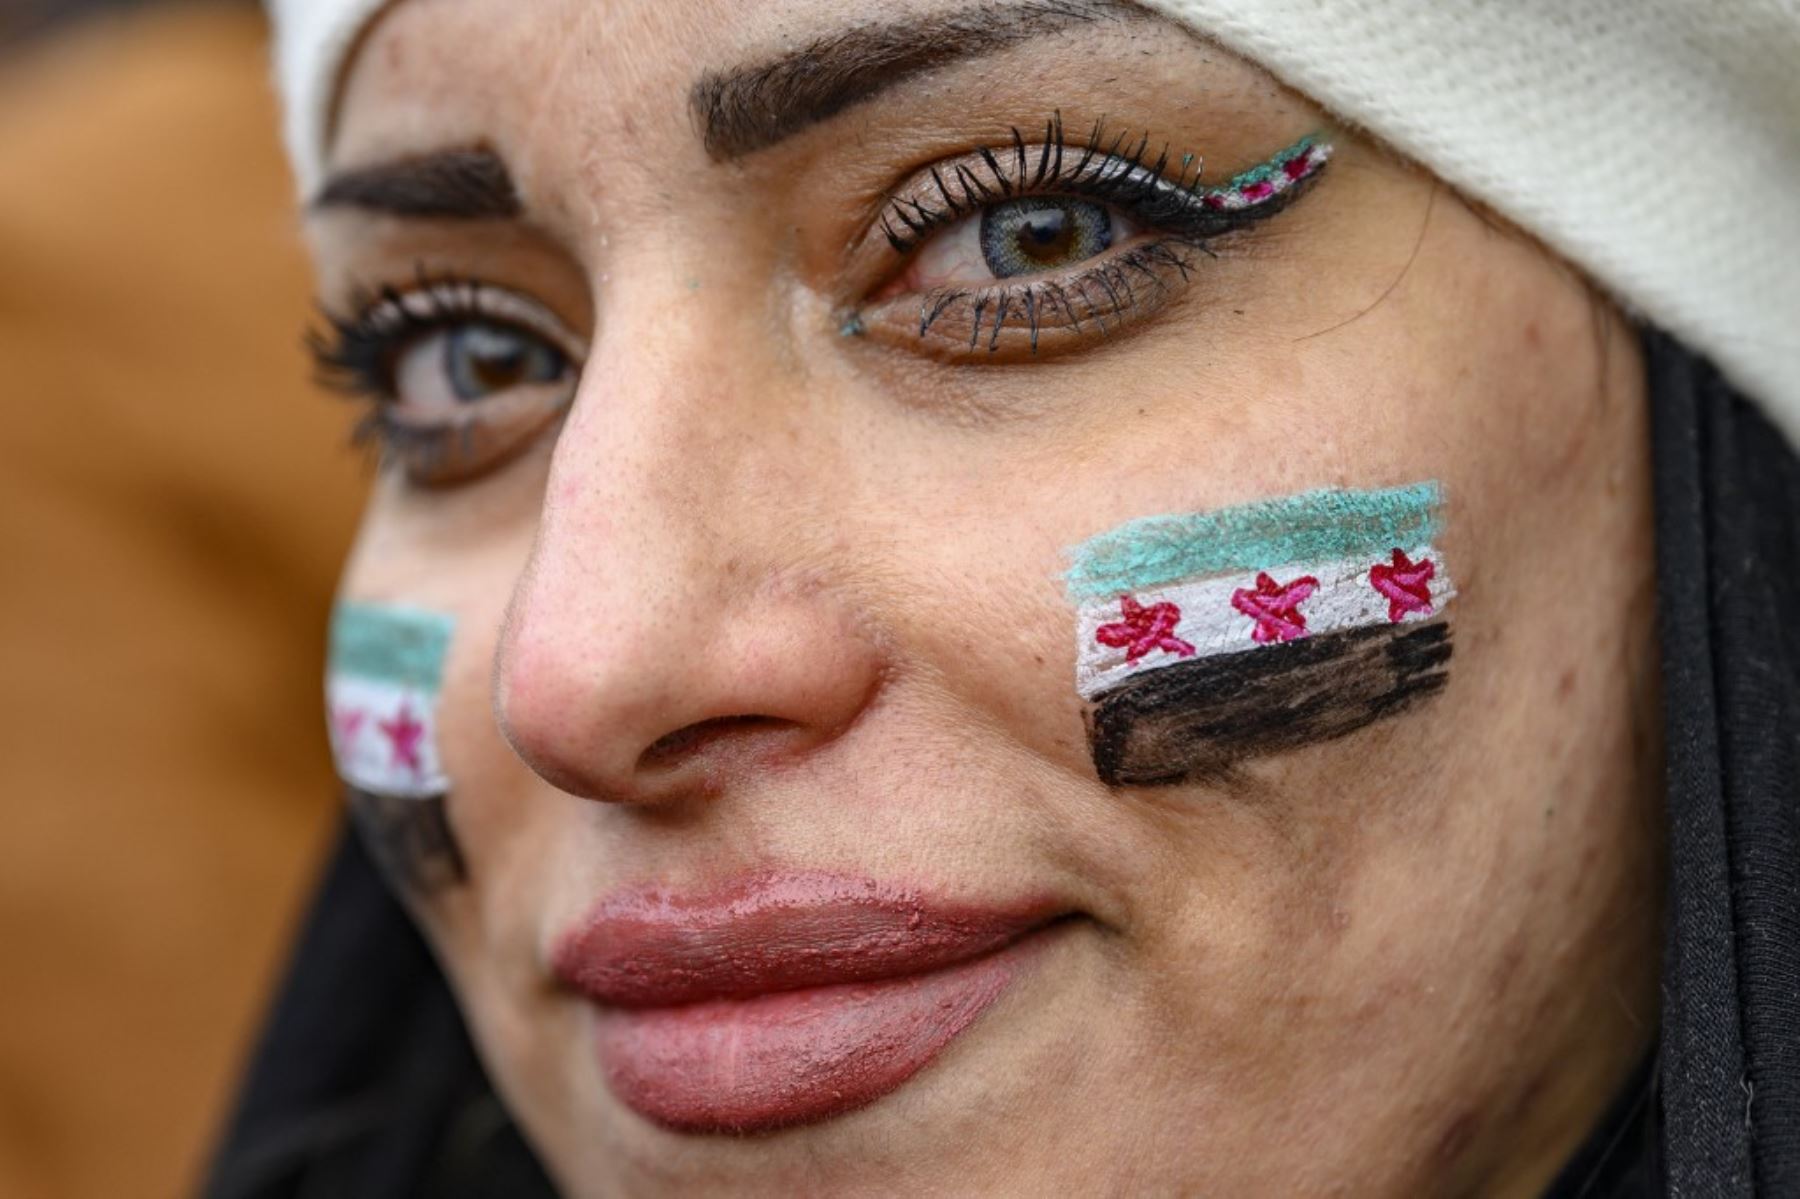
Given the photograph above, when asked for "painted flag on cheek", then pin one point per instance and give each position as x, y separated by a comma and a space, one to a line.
385, 671
1212, 637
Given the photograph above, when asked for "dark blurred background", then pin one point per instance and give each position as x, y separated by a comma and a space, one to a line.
175, 498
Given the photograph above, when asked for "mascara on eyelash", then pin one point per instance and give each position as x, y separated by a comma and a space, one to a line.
351, 354
1189, 215
1175, 201
354, 354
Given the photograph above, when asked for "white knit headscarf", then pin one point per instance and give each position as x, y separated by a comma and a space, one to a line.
1654, 143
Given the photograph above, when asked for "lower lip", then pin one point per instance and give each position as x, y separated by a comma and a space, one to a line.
793, 1057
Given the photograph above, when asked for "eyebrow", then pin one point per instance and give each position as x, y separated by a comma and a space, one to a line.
462, 184
745, 109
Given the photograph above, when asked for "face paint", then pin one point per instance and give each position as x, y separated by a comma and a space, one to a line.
385, 672
1209, 638
1263, 182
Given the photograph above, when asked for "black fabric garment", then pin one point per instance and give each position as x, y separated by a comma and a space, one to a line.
1728, 550
365, 1085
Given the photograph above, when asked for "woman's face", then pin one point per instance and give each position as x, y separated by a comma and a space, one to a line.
778, 851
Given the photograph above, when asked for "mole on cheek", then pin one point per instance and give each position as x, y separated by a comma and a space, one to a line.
1208, 638
384, 675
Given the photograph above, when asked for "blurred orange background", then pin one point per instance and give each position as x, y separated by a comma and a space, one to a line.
175, 498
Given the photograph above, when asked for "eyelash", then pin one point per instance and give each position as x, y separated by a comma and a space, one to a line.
1189, 215
354, 355
357, 356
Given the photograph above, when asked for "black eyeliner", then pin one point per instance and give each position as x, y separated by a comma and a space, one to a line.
1176, 205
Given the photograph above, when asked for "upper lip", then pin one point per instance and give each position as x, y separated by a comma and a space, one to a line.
649, 947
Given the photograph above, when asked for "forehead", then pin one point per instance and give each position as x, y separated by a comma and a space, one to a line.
426, 63
630, 72
434, 69
634, 117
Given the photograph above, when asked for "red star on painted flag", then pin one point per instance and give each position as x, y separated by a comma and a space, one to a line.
347, 722
1407, 584
404, 733
1144, 629
1275, 607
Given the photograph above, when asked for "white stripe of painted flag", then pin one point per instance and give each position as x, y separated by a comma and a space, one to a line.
1209, 623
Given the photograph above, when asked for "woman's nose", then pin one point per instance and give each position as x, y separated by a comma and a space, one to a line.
674, 627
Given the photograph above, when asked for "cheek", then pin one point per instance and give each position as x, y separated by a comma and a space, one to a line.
424, 594
1398, 905
1400, 901
384, 682
1210, 639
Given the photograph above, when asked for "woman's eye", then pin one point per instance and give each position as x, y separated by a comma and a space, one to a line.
1049, 246
471, 362
1027, 236
457, 376
467, 395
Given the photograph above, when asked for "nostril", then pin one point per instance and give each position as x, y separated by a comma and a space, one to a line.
671, 750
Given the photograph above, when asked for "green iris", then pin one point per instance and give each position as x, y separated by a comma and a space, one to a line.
1042, 233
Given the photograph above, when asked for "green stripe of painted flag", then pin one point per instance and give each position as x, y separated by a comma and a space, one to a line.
390, 644
1267, 170
1311, 526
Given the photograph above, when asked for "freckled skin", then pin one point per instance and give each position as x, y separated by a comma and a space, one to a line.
1418, 959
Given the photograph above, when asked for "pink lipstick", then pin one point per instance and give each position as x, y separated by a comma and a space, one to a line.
785, 998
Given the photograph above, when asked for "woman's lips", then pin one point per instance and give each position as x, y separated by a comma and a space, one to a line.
785, 998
